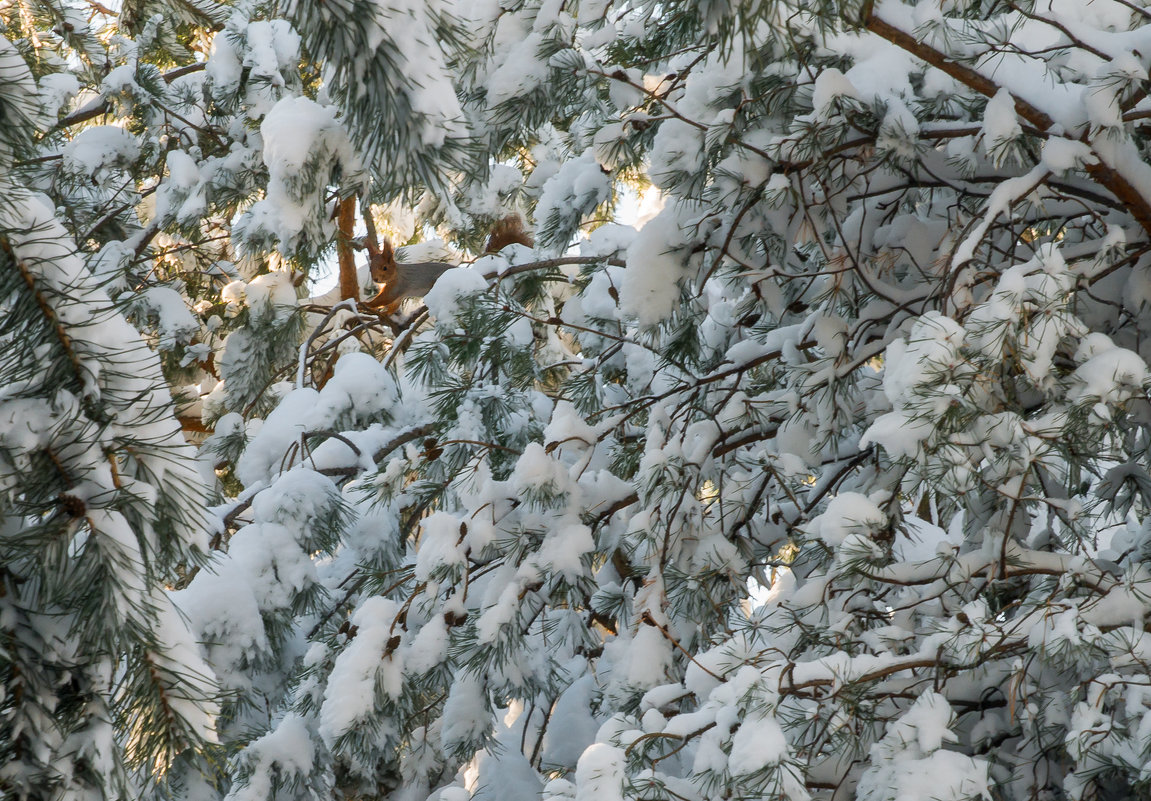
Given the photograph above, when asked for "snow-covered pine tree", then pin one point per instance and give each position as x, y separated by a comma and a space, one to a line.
879, 351
829, 480
101, 505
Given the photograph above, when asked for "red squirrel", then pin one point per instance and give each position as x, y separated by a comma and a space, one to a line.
402, 280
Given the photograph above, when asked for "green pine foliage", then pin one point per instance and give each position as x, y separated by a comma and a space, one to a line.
102, 505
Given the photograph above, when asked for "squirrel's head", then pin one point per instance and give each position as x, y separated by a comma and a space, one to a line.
382, 263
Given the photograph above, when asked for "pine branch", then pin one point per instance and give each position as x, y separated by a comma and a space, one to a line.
100, 106
1108, 177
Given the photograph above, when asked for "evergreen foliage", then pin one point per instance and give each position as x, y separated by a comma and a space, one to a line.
828, 478
103, 687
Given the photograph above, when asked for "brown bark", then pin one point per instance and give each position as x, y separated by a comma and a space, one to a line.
349, 283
